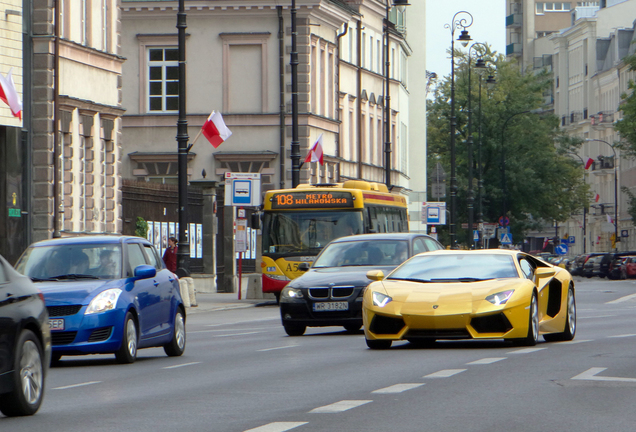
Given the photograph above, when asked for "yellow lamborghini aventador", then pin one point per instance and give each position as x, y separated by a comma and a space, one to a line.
480, 294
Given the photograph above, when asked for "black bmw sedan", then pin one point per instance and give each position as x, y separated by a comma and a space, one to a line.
330, 292
25, 343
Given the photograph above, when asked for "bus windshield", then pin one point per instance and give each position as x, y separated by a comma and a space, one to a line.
307, 232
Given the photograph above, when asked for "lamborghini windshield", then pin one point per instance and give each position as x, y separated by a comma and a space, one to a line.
307, 232
456, 268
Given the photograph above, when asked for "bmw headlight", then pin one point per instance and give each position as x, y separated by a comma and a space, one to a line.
379, 299
104, 301
277, 277
291, 293
500, 297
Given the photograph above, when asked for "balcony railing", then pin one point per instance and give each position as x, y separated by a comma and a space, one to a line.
514, 20
514, 49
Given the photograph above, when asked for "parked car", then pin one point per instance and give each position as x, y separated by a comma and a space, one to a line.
603, 265
25, 343
628, 268
592, 266
616, 270
477, 294
330, 292
576, 265
107, 294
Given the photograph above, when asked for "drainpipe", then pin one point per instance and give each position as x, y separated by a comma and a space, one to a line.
281, 83
56, 151
358, 97
338, 36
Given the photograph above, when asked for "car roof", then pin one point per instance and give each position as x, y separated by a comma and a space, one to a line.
91, 239
382, 236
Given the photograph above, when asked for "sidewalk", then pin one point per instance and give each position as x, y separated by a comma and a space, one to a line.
207, 302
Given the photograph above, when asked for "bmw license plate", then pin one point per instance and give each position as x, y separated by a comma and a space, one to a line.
331, 306
56, 324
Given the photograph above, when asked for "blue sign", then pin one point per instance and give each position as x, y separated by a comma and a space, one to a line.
476, 235
242, 191
561, 249
505, 238
504, 221
571, 240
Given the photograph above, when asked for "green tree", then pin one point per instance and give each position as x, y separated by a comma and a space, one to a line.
543, 183
141, 227
626, 127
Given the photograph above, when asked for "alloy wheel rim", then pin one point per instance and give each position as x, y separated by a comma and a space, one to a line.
571, 312
131, 335
535, 319
31, 376
179, 331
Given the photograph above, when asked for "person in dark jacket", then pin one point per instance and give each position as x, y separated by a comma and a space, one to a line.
170, 255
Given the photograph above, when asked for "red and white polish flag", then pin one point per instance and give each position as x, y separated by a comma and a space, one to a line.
597, 197
9, 95
589, 163
215, 130
315, 154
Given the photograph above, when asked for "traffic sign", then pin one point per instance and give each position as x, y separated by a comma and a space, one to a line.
505, 238
504, 221
561, 249
243, 189
476, 235
572, 240
434, 213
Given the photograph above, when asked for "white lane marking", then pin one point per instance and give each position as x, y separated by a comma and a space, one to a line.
622, 299
340, 406
76, 385
224, 335
444, 373
397, 388
277, 348
594, 317
181, 365
526, 350
590, 375
572, 342
622, 336
487, 360
277, 427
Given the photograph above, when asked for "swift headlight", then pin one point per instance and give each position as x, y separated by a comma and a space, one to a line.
500, 297
104, 301
291, 293
379, 299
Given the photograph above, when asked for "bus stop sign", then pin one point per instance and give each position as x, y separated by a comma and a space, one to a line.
243, 189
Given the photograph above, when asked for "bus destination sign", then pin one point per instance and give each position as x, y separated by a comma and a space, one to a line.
292, 200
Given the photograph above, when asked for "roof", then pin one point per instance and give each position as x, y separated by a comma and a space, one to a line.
91, 239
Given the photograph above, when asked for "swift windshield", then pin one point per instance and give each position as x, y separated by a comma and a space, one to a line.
456, 268
307, 232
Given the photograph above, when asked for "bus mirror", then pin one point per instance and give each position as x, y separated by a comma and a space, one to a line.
255, 222
375, 275
303, 266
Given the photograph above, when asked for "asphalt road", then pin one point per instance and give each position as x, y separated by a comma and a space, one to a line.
242, 372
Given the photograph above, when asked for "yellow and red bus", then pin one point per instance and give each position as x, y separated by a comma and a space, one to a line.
299, 222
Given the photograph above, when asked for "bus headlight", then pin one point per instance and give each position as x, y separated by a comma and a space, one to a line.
277, 277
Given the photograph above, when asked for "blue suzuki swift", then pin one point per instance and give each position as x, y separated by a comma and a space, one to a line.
106, 294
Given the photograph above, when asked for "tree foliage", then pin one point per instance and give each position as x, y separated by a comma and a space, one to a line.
543, 183
626, 127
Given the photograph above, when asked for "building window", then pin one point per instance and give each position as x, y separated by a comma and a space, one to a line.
163, 79
542, 7
539, 8
543, 34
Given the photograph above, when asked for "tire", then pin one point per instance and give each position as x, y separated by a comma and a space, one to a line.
127, 353
570, 322
353, 328
294, 329
378, 344
533, 324
28, 378
176, 346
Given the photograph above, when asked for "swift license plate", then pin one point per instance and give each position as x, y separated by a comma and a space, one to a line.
331, 306
56, 324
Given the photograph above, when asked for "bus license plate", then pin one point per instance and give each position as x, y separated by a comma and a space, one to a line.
56, 324
331, 306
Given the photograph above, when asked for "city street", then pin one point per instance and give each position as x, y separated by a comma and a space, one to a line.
242, 372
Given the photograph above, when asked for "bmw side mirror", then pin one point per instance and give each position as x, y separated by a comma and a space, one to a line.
303, 266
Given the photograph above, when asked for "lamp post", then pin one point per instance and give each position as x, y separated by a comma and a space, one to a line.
401, 5
490, 82
584, 207
183, 252
460, 21
295, 144
615, 191
470, 199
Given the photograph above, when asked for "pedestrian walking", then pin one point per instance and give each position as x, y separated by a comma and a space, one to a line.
170, 255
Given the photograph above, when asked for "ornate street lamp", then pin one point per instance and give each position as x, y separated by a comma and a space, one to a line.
460, 21
295, 143
401, 5
490, 83
480, 64
615, 191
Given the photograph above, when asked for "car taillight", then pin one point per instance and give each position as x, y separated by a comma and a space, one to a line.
41, 295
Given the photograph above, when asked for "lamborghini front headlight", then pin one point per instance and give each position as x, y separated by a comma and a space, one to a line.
379, 299
500, 297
